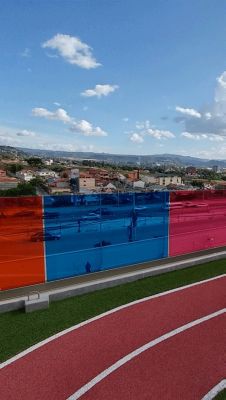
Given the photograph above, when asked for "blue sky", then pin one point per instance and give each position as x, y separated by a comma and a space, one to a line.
119, 76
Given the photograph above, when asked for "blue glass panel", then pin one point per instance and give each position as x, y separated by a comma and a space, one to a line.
97, 232
134, 252
73, 225
109, 199
70, 264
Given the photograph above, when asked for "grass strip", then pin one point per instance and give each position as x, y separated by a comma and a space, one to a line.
221, 395
20, 330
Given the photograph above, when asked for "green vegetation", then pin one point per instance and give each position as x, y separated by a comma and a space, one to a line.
23, 189
35, 162
13, 168
221, 395
198, 184
210, 175
57, 168
20, 331
39, 182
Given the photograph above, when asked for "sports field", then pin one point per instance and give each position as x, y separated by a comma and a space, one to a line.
168, 345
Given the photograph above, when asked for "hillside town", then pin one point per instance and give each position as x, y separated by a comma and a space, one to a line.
22, 174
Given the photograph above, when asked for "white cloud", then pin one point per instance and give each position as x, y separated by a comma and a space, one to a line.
222, 80
52, 55
213, 153
136, 138
202, 136
13, 137
143, 125
87, 129
24, 132
26, 53
100, 90
145, 129
191, 136
160, 134
66, 146
208, 115
73, 50
7, 140
56, 104
60, 114
189, 112
216, 138
204, 153
212, 120
126, 119
8, 137
82, 127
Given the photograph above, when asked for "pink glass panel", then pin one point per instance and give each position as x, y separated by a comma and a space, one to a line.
197, 221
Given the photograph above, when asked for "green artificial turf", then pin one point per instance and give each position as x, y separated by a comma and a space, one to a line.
18, 330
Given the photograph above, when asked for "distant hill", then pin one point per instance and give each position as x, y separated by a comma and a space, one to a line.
12, 151
167, 159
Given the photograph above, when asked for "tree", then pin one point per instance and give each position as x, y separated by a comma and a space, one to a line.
198, 184
57, 168
23, 189
35, 162
13, 168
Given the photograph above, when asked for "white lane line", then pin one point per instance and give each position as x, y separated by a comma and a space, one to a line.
215, 390
72, 328
84, 389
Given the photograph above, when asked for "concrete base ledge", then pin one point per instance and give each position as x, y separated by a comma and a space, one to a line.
40, 303
12, 305
103, 283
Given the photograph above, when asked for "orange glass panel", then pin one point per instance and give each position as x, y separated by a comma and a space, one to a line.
21, 258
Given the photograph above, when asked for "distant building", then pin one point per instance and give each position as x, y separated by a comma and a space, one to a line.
167, 180
48, 162
74, 180
133, 175
138, 184
57, 190
8, 183
191, 170
25, 175
100, 172
87, 183
46, 173
149, 179
110, 187
215, 168
161, 179
121, 177
2, 173
60, 185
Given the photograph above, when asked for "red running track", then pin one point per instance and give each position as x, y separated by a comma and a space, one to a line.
62, 366
184, 367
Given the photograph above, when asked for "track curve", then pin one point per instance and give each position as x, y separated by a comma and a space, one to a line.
61, 365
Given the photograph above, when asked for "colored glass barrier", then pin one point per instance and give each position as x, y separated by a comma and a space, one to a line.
21, 257
90, 233
55, 237
197, 221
